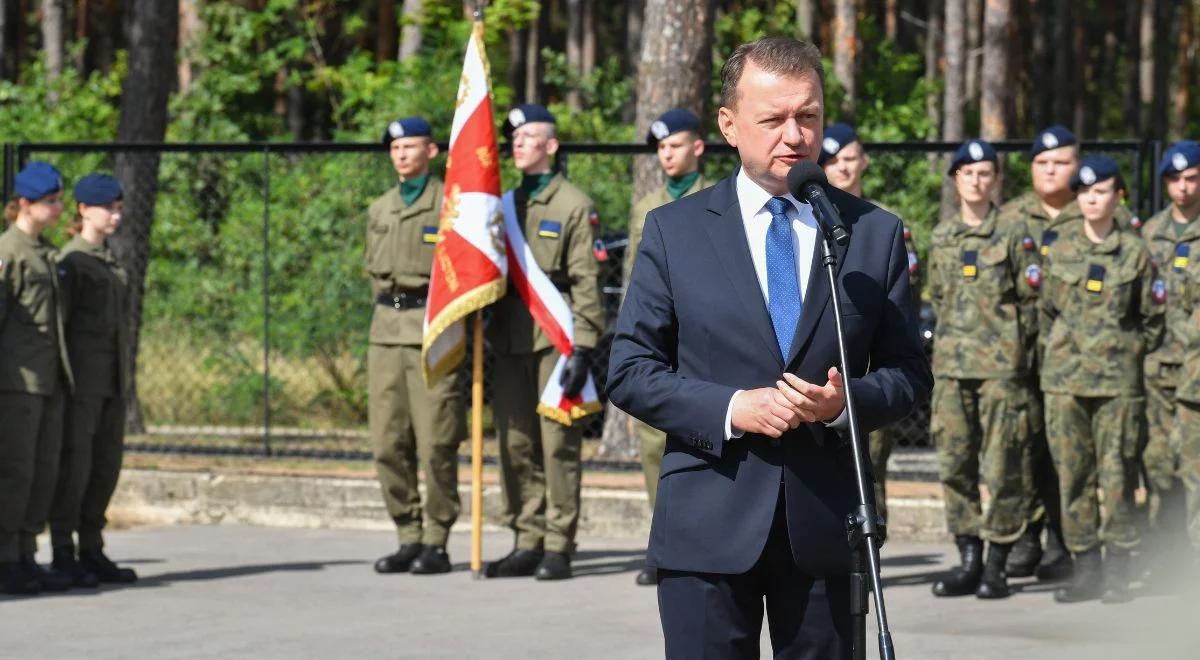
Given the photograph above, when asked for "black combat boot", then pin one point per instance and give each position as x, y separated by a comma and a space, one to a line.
1087, 583
518, 563
94, 561
400, 560
49, 580
995, 574
964, 580
16, 581
1027, 552
554, 566
432, 560
1116, 575
1056, 563
66, 564
647, 577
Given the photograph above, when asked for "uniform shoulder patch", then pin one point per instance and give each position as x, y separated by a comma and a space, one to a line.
600, 250
429, 234
913, 264
550, 229
1033, 275
1028, 243
594, 218
1158, 292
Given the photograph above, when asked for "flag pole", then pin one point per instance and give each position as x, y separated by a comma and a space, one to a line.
477, 449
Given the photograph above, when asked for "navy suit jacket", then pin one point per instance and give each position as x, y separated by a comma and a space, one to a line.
694, 329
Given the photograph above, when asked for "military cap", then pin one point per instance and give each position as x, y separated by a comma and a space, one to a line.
1179, 157
406, 127
98, 189
36, 180
528, 113
1093, 170
837, 137
672, 122
972, 151
1052, 138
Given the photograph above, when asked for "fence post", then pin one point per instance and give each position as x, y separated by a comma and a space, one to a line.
266, 298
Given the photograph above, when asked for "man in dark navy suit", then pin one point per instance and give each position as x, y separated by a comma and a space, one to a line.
726, 341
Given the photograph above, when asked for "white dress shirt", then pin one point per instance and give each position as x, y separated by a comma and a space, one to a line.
756, 219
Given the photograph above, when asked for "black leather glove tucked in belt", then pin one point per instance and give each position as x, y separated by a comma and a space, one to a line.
575, 374
404, 298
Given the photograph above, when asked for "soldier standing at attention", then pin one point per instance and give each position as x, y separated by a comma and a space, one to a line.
1044, 210
676, 134
983, 280
35, 378
845, 162
96, 300
540, 462
1100, 314
1173, 237
410, 423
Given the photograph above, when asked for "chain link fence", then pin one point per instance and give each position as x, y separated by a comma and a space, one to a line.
256, 307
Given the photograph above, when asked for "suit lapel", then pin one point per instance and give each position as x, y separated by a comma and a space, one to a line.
817, 298
728, 236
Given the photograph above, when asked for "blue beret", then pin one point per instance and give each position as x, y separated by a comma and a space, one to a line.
1093, 170
98, 189
1181, 156
529, 113
36, 180
406, 127
1052, 138
672, 122
836, 139
972, 151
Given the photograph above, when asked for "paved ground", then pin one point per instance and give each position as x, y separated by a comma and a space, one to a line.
246, 592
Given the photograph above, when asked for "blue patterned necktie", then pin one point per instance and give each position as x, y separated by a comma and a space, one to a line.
783, 287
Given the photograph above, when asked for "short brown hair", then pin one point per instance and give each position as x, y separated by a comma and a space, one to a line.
782, 55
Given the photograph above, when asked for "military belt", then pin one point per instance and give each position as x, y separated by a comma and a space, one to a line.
404, 298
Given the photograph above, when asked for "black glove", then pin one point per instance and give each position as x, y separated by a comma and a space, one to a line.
575, 374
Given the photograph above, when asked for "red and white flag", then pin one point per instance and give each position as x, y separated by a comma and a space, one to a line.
469, 260
551, 312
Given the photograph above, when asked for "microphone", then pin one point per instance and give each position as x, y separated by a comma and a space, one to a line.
806, 181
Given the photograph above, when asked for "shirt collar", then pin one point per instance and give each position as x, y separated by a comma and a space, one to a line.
752, 198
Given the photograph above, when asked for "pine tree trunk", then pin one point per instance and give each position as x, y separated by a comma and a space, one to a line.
386, 41
516, 62
953, 120
1133, 69
533, 55
189, 38
805, 19
845, 54
1064, 63
410, 34
588, 57
3, 39
933, 57
993, 116
1164, 49
674, 71
574, 50
53, 26
153, 33
974, 50
1185, 75
634, 11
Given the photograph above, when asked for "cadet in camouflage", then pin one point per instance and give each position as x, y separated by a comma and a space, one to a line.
35, 378
410, 424
1099, 317
845, 163
676, 136
1173, 236
983, 281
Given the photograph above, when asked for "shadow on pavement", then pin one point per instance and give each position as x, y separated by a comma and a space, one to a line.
236, 572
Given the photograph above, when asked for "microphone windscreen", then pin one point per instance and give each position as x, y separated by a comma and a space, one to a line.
802, 174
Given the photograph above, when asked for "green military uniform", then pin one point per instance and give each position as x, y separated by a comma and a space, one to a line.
883, 441
1175, 248
982, 284
652, 442
35, 378
97, 337
540, 458
1041, 480
1098, 318
409, 422
1186, 432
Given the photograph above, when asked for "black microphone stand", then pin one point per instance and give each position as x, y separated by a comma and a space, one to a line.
864, 530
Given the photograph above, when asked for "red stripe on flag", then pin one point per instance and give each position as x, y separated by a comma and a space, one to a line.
472, 268
474, 159
545, 320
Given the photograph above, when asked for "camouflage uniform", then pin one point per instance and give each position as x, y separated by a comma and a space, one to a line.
982, 285
881, 443
1099, 315
1185, 440
652, 442
1175, 249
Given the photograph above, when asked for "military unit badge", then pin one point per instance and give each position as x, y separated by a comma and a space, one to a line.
1033, 275
1158, 292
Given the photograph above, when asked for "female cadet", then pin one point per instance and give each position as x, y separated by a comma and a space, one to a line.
1101, 311
35, 378
983, 280
98, 346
